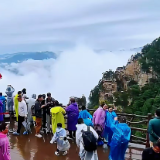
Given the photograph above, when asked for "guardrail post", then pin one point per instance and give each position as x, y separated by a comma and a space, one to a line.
147, 135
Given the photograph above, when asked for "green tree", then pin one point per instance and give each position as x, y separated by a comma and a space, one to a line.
156, 103
151, 57
94, 97
147, 107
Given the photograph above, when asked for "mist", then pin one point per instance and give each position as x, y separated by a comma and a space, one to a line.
73, 73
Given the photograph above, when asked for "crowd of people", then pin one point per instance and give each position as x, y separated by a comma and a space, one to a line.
48, 116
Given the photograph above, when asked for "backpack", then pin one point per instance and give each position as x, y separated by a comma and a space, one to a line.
33, 110
89, 141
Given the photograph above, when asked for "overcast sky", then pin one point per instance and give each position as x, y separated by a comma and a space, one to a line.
38, 25
76, 27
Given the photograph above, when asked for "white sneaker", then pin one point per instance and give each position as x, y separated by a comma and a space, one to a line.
65, 153
68, 137
56, 153
11, 131
51, 142
38, 135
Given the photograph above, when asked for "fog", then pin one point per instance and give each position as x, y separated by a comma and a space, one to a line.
73, 73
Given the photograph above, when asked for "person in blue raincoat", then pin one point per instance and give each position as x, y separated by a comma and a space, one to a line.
120, 139
110, 115
86, 116
3, 100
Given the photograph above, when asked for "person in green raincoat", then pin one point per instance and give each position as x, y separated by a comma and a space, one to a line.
57, 113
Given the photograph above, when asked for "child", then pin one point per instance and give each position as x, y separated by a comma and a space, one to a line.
60, 137
4, 143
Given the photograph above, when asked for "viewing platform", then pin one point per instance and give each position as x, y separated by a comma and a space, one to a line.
29, 147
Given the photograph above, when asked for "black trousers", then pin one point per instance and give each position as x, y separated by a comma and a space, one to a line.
72, 134
20, 120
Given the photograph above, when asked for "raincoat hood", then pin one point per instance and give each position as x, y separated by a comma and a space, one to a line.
56, 109
81, 126
74, 104
8, 89
59, 129
2, 135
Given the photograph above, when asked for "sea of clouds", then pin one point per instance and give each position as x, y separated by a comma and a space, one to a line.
73, 73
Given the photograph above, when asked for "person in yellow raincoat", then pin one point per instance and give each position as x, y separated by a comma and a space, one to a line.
16, 104
57, 113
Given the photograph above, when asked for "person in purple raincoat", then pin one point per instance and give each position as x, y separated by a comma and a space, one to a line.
99, 117
72, 114
1, 111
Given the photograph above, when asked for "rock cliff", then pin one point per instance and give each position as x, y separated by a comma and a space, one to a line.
123, 76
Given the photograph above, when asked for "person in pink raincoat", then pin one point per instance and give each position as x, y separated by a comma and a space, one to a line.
4, 143
99, 117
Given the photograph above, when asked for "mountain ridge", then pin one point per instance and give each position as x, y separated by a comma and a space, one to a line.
24, 56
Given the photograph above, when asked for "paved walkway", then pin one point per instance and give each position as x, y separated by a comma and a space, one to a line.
29, 147
32, 148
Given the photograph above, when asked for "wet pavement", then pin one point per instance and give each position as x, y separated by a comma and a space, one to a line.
29, 147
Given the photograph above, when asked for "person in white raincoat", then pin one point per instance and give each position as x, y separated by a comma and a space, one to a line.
31, 101
84, 155
63, 144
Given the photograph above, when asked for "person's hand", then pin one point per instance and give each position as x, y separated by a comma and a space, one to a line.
115, 118
42, 106
7, 126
